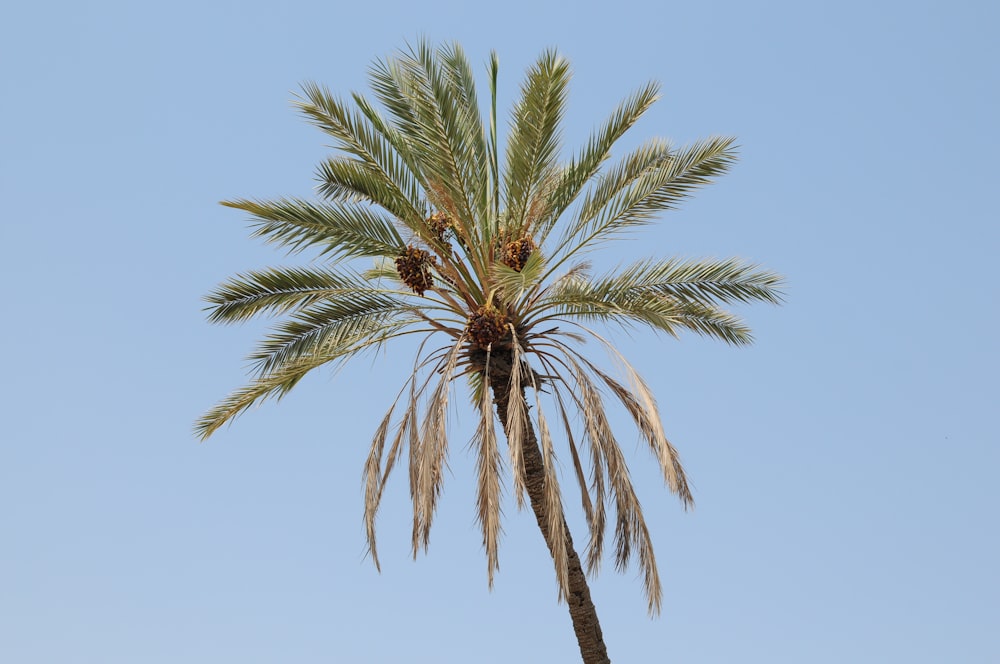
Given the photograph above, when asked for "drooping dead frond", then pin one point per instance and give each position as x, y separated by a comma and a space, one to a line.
585, 501
413, 441
517, 419
555, 522
372, 480
641, 405
410, 431
631, 532
594, 509
376, 471
488, 485
433, 450
405, 433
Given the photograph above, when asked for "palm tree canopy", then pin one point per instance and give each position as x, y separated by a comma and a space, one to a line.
426, 227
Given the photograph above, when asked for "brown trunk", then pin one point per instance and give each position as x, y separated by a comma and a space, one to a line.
581, 607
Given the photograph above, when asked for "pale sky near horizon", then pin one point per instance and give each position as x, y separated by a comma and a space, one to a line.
844, 466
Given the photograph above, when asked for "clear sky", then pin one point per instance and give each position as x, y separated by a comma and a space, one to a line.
844, 466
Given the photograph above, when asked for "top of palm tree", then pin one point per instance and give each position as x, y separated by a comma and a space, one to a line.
426, 227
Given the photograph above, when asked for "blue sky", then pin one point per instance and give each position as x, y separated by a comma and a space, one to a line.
844, 466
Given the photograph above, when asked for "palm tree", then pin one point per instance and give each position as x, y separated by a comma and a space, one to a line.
483, 254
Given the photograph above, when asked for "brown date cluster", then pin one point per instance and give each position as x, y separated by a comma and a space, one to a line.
415, 269
440, 223
487, 326
515, 254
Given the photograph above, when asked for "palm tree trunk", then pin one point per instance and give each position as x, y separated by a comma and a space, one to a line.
581, 607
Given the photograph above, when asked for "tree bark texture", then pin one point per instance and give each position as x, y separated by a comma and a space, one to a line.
581, 607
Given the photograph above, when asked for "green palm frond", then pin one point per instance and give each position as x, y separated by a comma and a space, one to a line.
582, 168
661, 313
688, 169
706, 281
603, 209
352, 181
335, 328
514, 284
667, 296
584, 300
534, 140
339, 230
493, 215
281, 368
415, 90
391, 178
711, 321
397, 139
274, 384
384, 270
652, 179
470, 140
278, 291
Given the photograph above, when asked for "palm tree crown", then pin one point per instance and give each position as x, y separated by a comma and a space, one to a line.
484, 253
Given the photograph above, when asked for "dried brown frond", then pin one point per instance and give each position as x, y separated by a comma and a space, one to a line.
517, 421
594, 433
644, 412
631, 532
374, 482
641, 405
488, 486
432, 453
594, 510
373, 489
407, 426
585, 501
555, 521
416, 444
